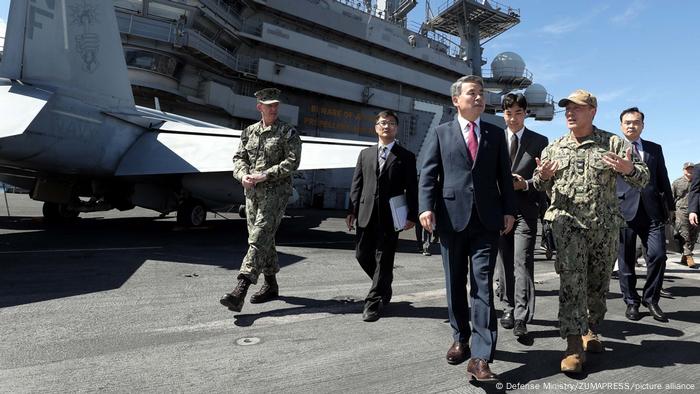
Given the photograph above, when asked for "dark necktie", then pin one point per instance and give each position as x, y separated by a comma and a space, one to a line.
382, 157
472, 144
513, 147
636, 149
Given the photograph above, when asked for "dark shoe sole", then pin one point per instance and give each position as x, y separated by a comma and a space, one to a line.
489, 380
370, 318
263, 299
230, 305
456, 362
520, 333
633, 317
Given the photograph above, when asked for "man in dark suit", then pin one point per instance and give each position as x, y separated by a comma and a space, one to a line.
516, 250
694, 197
383, 171
646, 212
466, 192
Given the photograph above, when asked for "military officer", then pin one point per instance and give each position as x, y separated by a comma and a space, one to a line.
688, 233
268, 154
578, 171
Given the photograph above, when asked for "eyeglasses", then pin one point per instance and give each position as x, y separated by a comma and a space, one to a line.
384, 123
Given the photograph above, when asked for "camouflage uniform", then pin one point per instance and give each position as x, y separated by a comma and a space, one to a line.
274, 150
682, 226
585, 217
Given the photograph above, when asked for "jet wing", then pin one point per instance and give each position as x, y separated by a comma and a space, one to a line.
179, 148
19, 105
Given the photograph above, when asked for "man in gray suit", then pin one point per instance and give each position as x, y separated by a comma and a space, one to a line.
516, 250
466, 193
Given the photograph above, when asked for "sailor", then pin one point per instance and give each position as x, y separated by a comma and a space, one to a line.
267, 156
687, 233
578, 171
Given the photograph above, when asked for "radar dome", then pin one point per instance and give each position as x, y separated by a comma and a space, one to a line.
536, 94
508, 64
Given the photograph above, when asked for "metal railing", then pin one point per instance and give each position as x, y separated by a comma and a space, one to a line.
170, 32
224, 6
486, 3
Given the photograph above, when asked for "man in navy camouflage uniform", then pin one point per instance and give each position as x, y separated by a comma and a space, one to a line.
267, 156
579, 171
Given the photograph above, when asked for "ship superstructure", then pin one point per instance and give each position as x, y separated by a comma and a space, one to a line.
338, 63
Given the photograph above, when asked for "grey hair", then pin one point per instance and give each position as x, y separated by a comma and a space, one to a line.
456, 88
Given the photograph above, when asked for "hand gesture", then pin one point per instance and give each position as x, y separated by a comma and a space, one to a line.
546, 168
621, 165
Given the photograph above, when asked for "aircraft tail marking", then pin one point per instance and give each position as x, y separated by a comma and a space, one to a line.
70, 46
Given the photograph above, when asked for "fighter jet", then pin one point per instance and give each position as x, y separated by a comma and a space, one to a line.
71, 133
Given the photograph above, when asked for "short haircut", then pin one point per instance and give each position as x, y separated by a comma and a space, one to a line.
631, 110
512, 99
456, 88
385, 114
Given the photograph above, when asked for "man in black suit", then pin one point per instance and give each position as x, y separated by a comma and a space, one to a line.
694, 197
466, 193
516, 250
383, 171
646, 212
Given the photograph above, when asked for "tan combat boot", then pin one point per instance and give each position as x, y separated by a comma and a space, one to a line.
591, 341
689, 260
574, 357
268, 292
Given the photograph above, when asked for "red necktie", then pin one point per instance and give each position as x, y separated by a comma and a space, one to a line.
472, 144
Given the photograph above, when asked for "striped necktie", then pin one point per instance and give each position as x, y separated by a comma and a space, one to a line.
635, 144
382, 157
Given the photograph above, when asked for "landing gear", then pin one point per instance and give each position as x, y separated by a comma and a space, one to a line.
55, 212
192, 213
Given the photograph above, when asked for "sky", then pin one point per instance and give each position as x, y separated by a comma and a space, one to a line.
641, 53
628, 53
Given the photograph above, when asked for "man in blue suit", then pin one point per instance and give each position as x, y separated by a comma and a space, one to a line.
466, 193
646, 212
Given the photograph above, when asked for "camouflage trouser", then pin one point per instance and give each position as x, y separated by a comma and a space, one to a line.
584, 262
688, 232
263, 216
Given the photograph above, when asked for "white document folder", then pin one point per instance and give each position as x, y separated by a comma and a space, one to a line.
399, 211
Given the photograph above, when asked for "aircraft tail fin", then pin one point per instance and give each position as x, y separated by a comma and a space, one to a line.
70, 46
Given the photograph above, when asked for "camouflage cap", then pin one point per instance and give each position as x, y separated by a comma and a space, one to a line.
688, 164
580, 97
268, 95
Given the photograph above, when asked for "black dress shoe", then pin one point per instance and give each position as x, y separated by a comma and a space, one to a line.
507, 320
520, 328
370, 314
478, 370
632, 312
665, 293
615, 275
656, 312
458, 353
